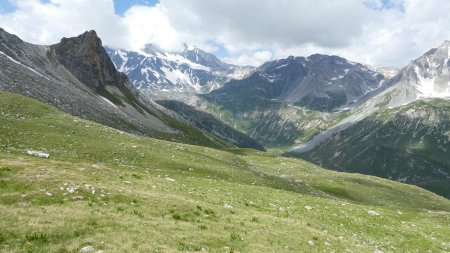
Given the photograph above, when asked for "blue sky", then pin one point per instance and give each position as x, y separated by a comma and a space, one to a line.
5, 6
122, 5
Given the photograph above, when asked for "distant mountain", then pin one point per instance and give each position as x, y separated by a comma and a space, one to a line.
318, 82
403, 133
287, 101
425, 77
77, 76
192, 70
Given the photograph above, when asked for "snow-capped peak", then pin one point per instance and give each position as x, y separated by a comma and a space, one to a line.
189, 46
431, 73
186, 71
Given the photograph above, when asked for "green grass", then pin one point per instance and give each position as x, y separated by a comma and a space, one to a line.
123, 193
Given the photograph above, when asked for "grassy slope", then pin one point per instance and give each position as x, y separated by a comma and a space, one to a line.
137, 207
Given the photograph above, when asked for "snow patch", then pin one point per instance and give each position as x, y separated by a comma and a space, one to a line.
181, 60
108, 101
427, 87
339, 77
19, 63
282, 66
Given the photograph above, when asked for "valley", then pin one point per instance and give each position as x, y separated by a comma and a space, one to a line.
105, 149
115, 196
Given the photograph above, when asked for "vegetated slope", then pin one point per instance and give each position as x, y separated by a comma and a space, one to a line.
409, 144
113, 191
210, 124
78, 76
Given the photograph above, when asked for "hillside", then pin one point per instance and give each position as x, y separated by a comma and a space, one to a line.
77, 76
208, 123
408, 144
112, 191
402, 133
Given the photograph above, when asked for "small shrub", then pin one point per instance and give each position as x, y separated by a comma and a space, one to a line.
92, 222
36, 237
202, 227
136, 176
137, 213
209, 211
235, 237
176, 216
254, 219
182, 246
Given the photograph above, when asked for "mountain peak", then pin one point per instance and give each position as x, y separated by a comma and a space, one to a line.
87, 40
86, 58
189, 47
446, 43
153, 49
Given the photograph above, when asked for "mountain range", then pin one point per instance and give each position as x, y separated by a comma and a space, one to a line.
402, 133
77, 76
332, 108
191, 70
93, 160
336, 113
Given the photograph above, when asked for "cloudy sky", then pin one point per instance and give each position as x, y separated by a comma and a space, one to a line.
378, 32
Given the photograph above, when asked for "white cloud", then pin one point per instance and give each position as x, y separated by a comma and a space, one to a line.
378, 32
46, 23
253, 58
149, 24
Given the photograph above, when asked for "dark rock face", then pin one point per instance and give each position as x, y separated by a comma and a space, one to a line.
85, 57
318, 82
210, 124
